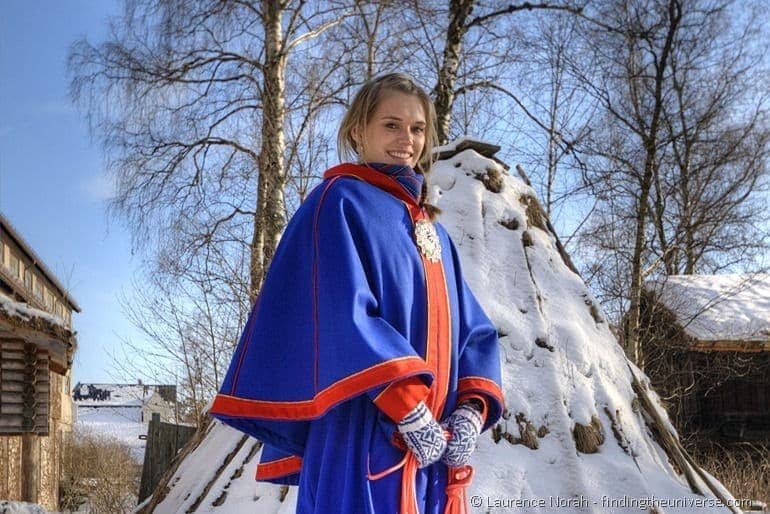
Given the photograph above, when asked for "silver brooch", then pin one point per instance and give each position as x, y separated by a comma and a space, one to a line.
427, 240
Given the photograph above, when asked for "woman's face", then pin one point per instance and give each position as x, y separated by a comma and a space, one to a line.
395, 133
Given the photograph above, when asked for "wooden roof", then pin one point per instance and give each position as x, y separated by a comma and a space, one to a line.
7, 228
489, 150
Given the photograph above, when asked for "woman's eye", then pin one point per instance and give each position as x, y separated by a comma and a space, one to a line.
419, 130
391, 125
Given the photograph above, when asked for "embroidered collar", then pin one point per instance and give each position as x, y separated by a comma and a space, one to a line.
382, 180
406, 176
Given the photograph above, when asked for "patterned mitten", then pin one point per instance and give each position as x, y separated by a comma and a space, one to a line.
423, 435
465, 424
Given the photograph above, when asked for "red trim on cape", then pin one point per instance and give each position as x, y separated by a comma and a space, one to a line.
439, 334
399, 398
438, 348
379, 179
273, 469
341, 390
480, 385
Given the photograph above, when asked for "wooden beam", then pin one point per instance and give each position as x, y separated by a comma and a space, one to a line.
731, 346
30, 467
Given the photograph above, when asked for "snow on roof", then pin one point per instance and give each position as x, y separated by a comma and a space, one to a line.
126, 395
25, 313
460, 141
728, 307
234, 482
464, 143
561, 366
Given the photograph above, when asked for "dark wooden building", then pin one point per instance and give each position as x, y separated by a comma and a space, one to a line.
706, 346
37, 344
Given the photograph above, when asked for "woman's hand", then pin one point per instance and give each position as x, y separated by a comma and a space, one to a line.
423, 435
465, 425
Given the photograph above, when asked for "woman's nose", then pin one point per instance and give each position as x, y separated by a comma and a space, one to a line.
406, 135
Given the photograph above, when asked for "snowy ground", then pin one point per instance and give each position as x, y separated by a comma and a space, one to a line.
7, 507
120, 423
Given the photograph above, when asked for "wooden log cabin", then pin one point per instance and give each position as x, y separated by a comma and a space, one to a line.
37, 344
706, 346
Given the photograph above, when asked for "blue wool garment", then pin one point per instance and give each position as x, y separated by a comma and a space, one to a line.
405, 175
342, 313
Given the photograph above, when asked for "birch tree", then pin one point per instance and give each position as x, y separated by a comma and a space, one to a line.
645, 51
461, 19
708, 205
188, 100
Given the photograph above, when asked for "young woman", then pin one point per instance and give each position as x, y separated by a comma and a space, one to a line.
367, 367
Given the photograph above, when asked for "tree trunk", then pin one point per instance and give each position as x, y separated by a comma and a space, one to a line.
371, 29
271, 215
633, 348
459, 11
257, 265
553, 145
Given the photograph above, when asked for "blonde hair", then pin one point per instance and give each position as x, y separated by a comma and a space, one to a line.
364, 106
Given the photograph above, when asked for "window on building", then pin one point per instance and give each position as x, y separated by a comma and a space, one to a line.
28, 278
15, 266
38, 288
61, 311
49, 300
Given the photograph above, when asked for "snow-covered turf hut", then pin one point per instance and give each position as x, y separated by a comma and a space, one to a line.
582, 431
37, 344
706, 341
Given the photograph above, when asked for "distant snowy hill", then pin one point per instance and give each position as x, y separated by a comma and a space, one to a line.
577, 436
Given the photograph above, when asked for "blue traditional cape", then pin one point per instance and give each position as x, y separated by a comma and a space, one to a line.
349, 306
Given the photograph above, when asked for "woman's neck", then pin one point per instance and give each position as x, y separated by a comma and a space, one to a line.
404, 174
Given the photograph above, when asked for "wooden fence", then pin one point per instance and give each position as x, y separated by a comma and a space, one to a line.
164, 440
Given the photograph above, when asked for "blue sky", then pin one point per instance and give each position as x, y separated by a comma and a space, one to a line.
52, 184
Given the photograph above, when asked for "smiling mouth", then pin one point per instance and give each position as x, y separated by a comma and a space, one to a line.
400, 155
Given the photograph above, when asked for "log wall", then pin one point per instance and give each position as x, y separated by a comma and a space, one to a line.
30, 462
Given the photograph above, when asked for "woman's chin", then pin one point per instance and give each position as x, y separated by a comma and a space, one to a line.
400, 162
